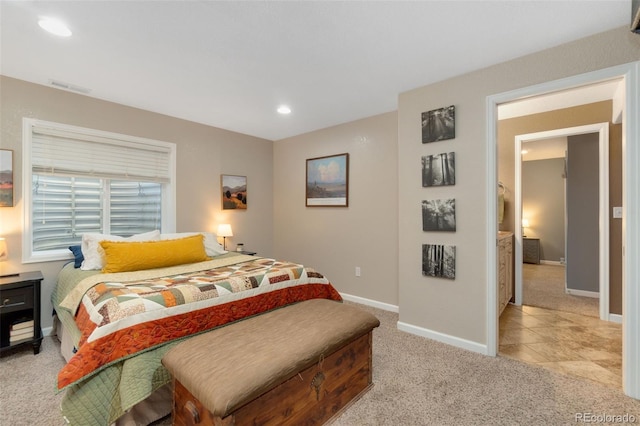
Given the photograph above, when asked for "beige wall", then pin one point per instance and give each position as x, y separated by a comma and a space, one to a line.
203, 154
335, 240
458, 308
543, 204
599, 112
381, 230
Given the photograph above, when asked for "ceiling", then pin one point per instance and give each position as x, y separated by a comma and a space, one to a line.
231, 64
602, 91
544, 149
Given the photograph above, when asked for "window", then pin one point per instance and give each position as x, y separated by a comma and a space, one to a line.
84, 180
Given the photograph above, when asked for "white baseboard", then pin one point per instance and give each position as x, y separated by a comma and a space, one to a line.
617, 318
419, 331
583, 293
551, 262
47, 331
444, 338
372, 303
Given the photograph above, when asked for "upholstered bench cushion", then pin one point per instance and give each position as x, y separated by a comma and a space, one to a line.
232, 365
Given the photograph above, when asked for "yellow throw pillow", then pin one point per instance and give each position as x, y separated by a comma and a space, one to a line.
123, 256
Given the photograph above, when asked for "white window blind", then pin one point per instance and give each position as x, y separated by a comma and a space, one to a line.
135, 207
70, 152
63, 209
85, 180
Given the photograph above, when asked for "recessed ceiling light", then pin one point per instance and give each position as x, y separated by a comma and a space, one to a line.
54, 26
283, 109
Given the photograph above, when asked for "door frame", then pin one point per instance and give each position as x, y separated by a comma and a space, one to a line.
603, 206
629, 73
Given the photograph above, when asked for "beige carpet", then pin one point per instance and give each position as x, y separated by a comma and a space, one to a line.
417, 382
543, 286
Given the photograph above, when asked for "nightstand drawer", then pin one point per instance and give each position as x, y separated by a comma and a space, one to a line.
19, 301
16, 299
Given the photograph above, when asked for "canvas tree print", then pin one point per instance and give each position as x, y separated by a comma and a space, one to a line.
439, 261
439, 170
439, 124
439, 215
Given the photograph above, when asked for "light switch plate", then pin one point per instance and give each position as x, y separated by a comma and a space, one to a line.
617, 212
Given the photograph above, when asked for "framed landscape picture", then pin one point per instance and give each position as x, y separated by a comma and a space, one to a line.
327, 181
6, 178
234, 192
439, 124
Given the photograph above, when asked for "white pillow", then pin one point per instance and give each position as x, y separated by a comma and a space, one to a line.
94, 254
211, 244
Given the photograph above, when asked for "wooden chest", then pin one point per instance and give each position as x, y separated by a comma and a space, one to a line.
300, 364
311, 397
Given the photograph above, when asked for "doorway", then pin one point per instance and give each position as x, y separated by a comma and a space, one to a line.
553, 328
629, 73
602, 129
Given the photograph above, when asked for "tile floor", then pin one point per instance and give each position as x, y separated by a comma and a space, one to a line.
568, 343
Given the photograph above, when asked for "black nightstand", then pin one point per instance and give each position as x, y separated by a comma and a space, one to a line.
20, 311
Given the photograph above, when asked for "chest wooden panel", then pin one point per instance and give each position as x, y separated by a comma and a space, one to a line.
311, 397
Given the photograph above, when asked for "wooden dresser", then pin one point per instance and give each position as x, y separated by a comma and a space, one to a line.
505, 269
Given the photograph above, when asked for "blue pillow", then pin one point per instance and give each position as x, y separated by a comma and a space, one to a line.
77, 255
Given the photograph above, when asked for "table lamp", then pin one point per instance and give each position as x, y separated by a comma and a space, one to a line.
4, 255
224, 231
525, 224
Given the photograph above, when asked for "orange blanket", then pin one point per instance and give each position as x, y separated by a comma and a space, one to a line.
120, 320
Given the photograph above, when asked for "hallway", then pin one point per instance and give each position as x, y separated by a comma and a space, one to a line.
565, 335
543, 286
566, 342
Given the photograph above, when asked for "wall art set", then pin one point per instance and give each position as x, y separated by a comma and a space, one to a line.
439, 215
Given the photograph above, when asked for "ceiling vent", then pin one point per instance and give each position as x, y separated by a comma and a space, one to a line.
67, 86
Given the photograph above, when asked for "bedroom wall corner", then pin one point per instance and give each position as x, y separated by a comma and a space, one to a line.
458, 308
336, 240
203, 154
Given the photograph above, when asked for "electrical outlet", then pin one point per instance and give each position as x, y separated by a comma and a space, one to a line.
357, 271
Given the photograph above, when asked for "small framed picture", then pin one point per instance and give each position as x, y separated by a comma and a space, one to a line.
439, 215
439, 261
234, 192
439, 170
6, 178
327, 181
439, 124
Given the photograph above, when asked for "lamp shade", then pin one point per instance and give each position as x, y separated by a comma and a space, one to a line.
4, 252
224, 230
525, 223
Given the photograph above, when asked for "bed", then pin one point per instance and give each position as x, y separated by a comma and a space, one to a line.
116, 325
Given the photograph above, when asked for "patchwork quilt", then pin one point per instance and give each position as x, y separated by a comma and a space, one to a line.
122, 316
